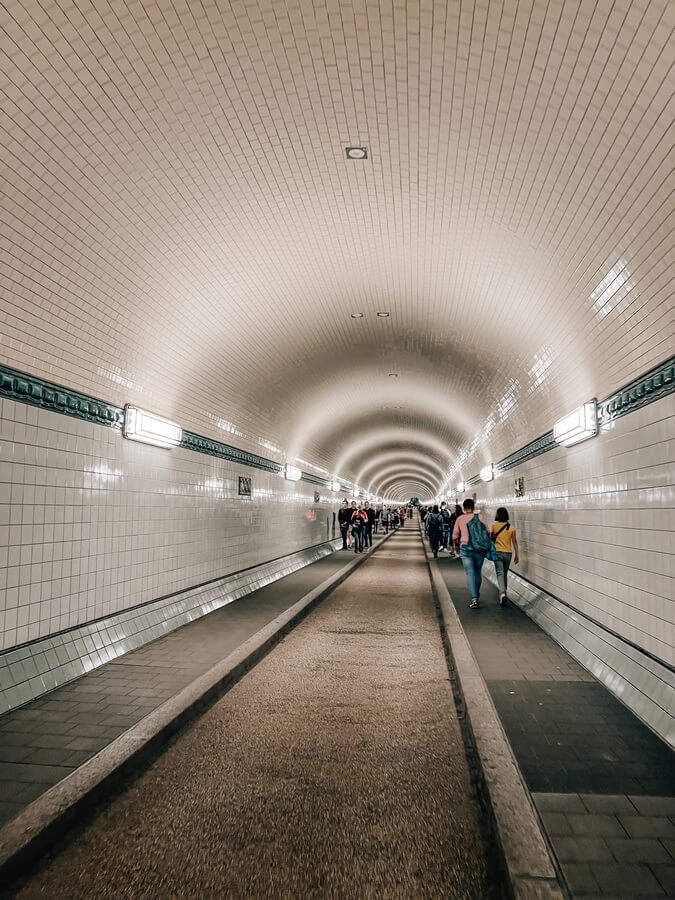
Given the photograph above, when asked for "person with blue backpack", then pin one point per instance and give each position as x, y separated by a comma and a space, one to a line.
471, 530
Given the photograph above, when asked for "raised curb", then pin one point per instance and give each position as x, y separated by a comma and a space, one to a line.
31, 833
529, 864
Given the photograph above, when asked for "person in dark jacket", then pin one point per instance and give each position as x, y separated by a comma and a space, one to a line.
344, 518
368, 525
434, 526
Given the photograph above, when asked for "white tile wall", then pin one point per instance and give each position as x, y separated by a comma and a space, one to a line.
92, 524
595, 526
31, 670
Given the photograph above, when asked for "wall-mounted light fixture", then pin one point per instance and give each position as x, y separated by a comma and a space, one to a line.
577, 426
487, 473
460, 487
335, 486
292, 473
148, 428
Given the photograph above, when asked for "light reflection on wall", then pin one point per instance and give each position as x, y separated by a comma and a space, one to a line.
115, 374
612, 289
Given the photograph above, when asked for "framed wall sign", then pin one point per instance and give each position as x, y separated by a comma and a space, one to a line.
245, 486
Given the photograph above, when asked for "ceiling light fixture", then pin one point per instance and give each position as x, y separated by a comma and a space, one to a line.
487, 473
383, 315
292, 473
356, 152
357, 315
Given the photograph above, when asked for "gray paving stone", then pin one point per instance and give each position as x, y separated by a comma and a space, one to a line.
580, 878
558, 803
595, 824
8, 810
611, 804
669, 844
655, 806
48, 756
665, 875
556, 823
14, 754
23, 772
648, 826
92, 744
626, 880
582, 849
639, 850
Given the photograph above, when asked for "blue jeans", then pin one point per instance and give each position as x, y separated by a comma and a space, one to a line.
473, 563
502, 569
358, 539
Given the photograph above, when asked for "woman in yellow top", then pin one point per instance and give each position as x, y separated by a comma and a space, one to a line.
504, 536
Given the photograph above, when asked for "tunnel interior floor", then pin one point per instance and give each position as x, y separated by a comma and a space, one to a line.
604, 784
334, 768
47, 739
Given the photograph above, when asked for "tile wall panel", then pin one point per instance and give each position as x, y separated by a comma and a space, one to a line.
595, 526
92, 524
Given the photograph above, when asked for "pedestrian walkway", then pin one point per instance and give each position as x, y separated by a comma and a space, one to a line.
603, 783
334, 768
46, 740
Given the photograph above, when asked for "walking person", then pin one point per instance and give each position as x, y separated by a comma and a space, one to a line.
504, 536
454, 515
445, 534
368, 524
386, 519
434, 526
357, 526
471, 531
344, 518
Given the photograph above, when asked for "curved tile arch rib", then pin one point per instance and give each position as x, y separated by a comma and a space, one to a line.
412, 392
393, 436
414, 468
404, 490
381, 460
386, 486
402, 468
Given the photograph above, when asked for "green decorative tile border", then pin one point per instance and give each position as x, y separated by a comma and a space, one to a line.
657, 383
224, 451
27, 389
653, 385
535, 448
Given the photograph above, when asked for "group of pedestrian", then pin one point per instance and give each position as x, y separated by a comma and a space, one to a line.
475, 542
438, 524
358, 523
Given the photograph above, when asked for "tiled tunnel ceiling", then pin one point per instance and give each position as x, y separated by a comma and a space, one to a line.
182, 228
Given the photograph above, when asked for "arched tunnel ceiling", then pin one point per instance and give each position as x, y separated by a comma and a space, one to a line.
182, 228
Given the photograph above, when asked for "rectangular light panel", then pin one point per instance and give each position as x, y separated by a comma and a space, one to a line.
487, 473
292, 473
146, 427
577, 426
